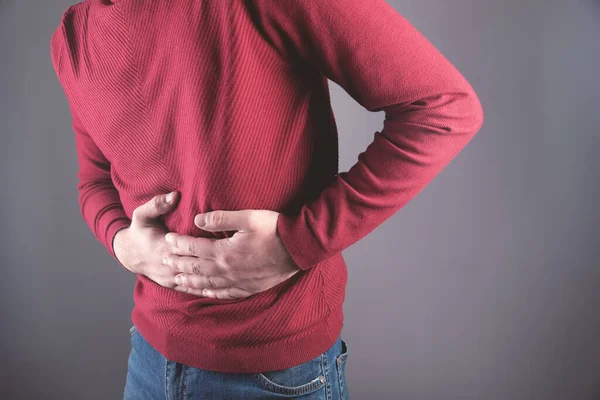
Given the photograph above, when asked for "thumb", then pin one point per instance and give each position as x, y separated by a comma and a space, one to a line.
155, 207
221, 220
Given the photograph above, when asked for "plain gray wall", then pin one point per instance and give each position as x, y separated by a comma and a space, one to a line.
485, 286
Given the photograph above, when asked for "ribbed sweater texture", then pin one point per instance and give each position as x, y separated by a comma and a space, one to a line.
227, 102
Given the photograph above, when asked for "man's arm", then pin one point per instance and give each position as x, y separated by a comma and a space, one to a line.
98, 198
384, 63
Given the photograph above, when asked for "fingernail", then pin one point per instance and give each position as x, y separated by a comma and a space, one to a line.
169, 197
200, 220
179, 280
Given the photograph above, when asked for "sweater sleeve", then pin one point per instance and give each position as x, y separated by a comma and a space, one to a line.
99, 201
385, 64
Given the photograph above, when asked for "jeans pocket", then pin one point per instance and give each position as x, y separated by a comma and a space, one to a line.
299, 380
340, 363
132, 330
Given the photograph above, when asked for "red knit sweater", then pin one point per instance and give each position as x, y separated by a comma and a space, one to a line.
228, 103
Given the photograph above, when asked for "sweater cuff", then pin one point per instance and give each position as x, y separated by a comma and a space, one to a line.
302, 246
111, 232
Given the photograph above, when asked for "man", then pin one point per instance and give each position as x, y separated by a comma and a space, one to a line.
240, 278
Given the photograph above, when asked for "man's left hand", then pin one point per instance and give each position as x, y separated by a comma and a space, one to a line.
253, 260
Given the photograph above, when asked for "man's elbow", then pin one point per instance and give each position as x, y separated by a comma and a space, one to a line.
478, 112
469, 113
454, 112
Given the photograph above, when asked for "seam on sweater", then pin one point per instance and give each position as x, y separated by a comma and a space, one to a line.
61, 50
320, 272
285, 60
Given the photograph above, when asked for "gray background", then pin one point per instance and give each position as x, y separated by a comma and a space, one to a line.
485, 286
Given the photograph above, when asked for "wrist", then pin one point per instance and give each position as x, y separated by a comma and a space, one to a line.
117, 245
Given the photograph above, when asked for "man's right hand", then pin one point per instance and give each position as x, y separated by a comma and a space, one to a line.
141, 248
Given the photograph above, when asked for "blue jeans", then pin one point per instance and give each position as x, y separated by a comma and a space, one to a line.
151, 376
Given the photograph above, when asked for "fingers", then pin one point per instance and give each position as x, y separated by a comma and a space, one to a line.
222, 220
191, 246
224, 293
202, 281
219, 287
193, 265
153, 208
194, 291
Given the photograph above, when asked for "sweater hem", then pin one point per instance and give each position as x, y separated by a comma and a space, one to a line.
282, 354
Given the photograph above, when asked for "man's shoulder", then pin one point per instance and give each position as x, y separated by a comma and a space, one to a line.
66, 30
71, 17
